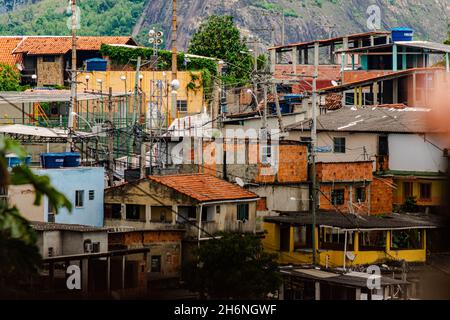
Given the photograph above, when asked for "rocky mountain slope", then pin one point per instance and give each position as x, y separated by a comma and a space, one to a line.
303, 19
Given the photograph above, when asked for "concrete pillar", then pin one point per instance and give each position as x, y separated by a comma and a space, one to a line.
404, 59
273, 60
414, 90
395, 91
358, 294
174, 214
123, 212
123, 271
372, 41
376, 91
148, 213
108, 274
345, 45
84, 275
294, 59
316, 54
317, 290
394, 57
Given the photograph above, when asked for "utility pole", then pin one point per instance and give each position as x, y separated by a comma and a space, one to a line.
277, 104
73, 78
136, 90
110, 140
265, 110
313, 151
174, 59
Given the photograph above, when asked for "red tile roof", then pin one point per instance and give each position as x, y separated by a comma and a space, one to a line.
204, 188
61, 45
7, 45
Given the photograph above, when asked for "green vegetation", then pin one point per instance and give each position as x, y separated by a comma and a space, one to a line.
19, 254
233, 267
123, 56
9, 78
49, 17
218, 37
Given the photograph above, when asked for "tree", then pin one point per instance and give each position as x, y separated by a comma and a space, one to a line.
19, 255
233, 267
9, 78
218, 37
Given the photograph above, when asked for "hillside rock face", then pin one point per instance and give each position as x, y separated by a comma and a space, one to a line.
303, 19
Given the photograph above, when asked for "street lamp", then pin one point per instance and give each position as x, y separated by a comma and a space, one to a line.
155, 38
88, 77
100, 82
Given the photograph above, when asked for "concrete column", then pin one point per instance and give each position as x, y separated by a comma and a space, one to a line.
372, 41
85, 275
394, 57
108, 274
395, 91
273, 60
123, 212
294, 59
174, 214
316, 54
414, 89
404, 59
123, 271
317, 290
376, 90
358, 294
148, 213
345, 44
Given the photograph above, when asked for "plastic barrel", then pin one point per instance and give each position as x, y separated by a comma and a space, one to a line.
72, 159
52, 160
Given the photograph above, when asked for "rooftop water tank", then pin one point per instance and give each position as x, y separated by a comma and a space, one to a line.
402, 34
13, 160
96, 64
72, 159
52, 160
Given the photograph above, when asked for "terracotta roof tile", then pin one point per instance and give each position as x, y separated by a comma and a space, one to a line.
7, 45
204, 188
62, 45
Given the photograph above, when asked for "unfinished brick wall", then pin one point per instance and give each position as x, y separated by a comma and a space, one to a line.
382, 196
326, 72
292, 166
345, 171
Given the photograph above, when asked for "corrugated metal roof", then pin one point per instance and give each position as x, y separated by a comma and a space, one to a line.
375, 119
353, 222
20, 129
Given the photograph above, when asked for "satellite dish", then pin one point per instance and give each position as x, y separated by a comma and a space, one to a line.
240, 182
334, 83
350, 256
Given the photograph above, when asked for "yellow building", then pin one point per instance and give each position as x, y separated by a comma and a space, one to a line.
426, 188
190, 95
345, 241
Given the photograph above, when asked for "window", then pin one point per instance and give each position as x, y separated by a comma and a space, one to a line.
360, 194
285, 238
383, 146
425, 191
406, 239
51, 252
91, 195
51, 209
372, 241
113, 211
217, 209
96, 247
334, 239
338, 197
155, 264
49, 59
266, 154
79, 198
407, 189
339, 145
182, 106
303, 237
51, 218
135, 212
242, 212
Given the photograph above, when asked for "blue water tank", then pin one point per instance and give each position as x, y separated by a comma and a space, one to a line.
72, 159
96, 64
402, 34
52, 160
13, 160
